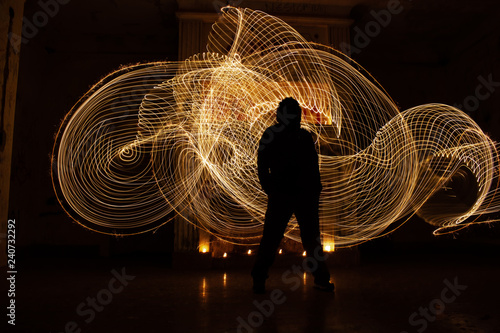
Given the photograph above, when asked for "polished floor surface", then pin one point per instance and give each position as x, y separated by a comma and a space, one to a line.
397, 293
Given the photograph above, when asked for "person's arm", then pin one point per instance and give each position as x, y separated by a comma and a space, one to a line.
315, 167
263, 163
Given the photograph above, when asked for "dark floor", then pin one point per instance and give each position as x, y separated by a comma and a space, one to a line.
386, 293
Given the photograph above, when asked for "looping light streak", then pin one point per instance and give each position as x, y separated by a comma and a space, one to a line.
153, 141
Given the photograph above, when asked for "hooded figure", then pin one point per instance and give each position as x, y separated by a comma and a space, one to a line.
287, 159
288, 172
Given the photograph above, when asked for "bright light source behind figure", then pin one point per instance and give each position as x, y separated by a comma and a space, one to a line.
328, 247
164, 139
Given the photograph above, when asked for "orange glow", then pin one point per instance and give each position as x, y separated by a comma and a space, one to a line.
329, 247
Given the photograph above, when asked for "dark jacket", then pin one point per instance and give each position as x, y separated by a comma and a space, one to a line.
288, 162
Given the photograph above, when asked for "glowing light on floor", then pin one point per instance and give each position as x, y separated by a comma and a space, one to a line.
249, 252
224, 255
328, 247
160, 140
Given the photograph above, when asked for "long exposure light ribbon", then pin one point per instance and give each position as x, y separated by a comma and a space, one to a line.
158, 140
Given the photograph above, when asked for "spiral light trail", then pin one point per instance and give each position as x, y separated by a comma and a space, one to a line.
164, 139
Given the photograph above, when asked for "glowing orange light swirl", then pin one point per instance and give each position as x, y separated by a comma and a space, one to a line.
159, 140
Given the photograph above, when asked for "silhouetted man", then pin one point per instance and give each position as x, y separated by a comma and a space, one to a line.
289, 174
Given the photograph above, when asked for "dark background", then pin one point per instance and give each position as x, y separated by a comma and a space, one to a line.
434, 51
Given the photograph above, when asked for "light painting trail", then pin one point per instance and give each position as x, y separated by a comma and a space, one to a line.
158, 140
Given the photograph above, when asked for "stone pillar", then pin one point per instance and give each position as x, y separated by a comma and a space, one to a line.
194, 28
11, 18
189, 38
340, 35
186, 237
193, 35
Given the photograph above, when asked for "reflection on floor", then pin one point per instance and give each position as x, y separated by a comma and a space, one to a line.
445, 293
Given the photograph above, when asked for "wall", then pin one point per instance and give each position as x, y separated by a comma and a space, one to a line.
11, 13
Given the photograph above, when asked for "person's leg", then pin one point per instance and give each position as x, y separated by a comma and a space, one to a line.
279, 211
307, 215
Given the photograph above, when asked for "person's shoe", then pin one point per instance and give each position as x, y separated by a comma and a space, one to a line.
259, 286
325, 286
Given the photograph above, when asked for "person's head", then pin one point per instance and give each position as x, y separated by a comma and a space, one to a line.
289, 112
